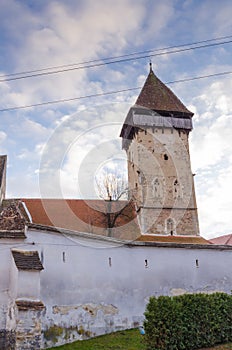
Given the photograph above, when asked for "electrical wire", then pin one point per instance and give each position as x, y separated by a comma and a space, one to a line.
109, 92
116, 57
85, 66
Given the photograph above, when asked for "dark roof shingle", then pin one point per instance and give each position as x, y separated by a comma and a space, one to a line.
27, 260
157, 96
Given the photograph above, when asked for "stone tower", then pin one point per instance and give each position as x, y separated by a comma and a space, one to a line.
155, 137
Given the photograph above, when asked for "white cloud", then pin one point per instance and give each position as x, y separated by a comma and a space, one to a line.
56, 33
31, 127
62, 33
3, 136
211, 138
216, 203
219, 14
79, 146
158, 15
211, 148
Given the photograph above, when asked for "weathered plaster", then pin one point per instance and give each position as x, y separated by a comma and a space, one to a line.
28, 330
91, 308
88, 294
101, 286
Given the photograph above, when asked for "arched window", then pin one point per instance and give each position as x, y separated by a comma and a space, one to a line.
170, 227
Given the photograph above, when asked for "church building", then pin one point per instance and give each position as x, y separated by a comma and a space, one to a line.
66, 274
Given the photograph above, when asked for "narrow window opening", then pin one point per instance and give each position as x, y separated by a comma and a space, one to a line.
197, 263
165, 157
110, 262
42, 257
136, 185
64, 258
146, 263
171, 233
145, 132
175, 186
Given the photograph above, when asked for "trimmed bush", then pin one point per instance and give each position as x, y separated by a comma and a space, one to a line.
189, 321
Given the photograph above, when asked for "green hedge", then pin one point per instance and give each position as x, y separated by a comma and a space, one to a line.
189, 321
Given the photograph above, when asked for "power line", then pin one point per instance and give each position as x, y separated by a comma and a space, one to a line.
199, 77
116, 57
67, 99
114, 61
109, 92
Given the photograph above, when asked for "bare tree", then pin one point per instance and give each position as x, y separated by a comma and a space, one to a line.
111, 188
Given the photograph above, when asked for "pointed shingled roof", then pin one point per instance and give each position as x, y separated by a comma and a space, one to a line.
157, 96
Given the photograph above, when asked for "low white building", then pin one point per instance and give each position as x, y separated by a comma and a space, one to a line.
58, 286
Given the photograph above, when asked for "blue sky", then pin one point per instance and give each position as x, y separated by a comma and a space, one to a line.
52, 149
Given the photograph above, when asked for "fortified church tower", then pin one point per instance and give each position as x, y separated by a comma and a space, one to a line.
155, 137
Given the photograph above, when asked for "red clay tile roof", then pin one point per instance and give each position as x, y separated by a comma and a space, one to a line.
173, 239
222, 240
86, 216
157, 96
90, 216
27, 260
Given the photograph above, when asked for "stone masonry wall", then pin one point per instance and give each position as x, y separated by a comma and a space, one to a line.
28, 330
7, 340
160, 177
